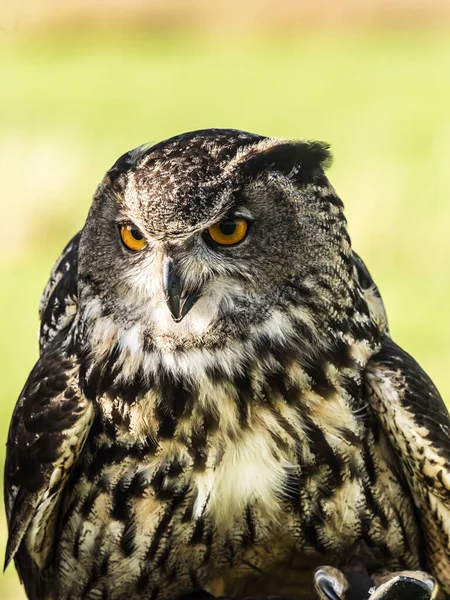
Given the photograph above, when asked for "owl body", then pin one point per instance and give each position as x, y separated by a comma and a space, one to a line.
218, 404
229, 512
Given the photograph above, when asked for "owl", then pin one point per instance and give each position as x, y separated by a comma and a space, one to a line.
218, 408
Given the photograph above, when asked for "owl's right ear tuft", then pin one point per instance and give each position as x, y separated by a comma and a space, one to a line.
301, 161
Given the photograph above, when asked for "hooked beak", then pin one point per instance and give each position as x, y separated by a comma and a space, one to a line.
179, 300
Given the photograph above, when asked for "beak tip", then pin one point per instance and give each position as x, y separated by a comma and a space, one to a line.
178, 301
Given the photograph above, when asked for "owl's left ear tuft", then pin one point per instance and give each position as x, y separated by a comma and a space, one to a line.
303, 162
127, 161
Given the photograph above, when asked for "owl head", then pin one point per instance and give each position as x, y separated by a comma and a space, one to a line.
213, 236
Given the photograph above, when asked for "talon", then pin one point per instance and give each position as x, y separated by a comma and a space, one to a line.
195, 595
330, 583
406, 587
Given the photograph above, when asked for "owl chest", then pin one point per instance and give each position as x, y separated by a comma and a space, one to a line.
233, 509
297, 516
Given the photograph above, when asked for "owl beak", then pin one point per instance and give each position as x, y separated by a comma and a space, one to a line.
179, 300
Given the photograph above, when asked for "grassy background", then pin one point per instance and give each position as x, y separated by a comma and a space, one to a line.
71, 104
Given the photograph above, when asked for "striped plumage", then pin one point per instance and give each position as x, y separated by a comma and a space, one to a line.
275, 428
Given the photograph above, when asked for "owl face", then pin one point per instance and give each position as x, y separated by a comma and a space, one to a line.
201, 238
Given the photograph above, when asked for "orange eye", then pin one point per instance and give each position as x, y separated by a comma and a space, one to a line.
132, 237
228, 231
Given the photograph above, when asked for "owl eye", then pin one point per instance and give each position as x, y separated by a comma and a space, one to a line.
132, 237
229, 231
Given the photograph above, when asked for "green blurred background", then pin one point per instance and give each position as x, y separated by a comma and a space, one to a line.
79, 88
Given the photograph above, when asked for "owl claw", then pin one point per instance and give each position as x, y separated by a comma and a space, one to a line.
405, 587
196, 595
330, 583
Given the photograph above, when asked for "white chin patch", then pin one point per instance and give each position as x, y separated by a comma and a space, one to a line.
195, 323
201, 316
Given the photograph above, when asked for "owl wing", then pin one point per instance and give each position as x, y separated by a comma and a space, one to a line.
417, 422
49, 427
58, 304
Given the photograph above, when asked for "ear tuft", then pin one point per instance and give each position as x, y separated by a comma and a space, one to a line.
301, 161
127, 161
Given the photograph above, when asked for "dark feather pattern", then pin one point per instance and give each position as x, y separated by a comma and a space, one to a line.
47, 432
59, 301
416, 419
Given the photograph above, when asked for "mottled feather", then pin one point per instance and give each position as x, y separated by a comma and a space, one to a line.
416, 419
58, 304
48, 429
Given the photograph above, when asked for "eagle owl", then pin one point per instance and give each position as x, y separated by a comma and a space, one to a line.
218, 406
